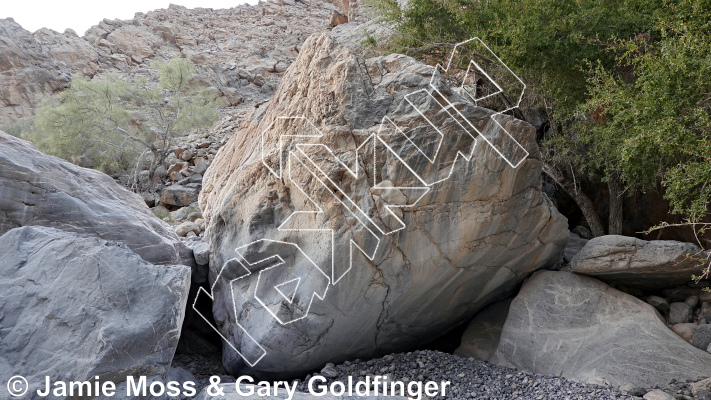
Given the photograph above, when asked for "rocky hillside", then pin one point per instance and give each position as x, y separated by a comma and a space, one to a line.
241, 51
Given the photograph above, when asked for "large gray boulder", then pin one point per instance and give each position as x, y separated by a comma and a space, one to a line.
637, 263
468, 242
37, 189
580, 328
74, 307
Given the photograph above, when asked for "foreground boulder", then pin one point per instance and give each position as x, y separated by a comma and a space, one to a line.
580, 328
469, 241
37, 189
74, 307
637, 263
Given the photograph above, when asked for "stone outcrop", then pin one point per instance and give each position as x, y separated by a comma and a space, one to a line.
579, 328
37, 189
637, 263
71, 50
26, 70
469, 241
74, 307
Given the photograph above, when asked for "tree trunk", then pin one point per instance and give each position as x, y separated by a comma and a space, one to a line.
580, 198
614, 184
155, 163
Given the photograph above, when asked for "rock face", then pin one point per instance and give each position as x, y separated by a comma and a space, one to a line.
26, 69
637, 263
71, 50
580, 328
471, 239
74, 307
36, 189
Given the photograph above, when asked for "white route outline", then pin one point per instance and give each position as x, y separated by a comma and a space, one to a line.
279, 263
493, 116
299, 152
234, 308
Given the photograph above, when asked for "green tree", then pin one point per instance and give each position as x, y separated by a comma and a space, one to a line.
178, 105
87, 124
107, 123
658, 124
613, 79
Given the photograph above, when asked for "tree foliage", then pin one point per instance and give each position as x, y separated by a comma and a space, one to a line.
84, 124
624, 85
107, 123
659, 123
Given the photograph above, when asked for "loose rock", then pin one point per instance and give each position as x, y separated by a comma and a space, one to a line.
679, 313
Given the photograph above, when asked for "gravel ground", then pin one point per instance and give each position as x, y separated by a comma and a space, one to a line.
471, 379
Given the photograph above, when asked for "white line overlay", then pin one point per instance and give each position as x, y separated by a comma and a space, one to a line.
299, 278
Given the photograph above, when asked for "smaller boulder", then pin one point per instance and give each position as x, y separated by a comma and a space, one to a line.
178, 196
201, 251
692, 301
189, 213
702, 337
583, 232
76, 306
637, 263
685, 331
657, 394
187, 155
201, 167
183, 229
703, 395
659, 303
679, 313
633, 390
329, 371
705, 311
704, 385
563, 323
575, 244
